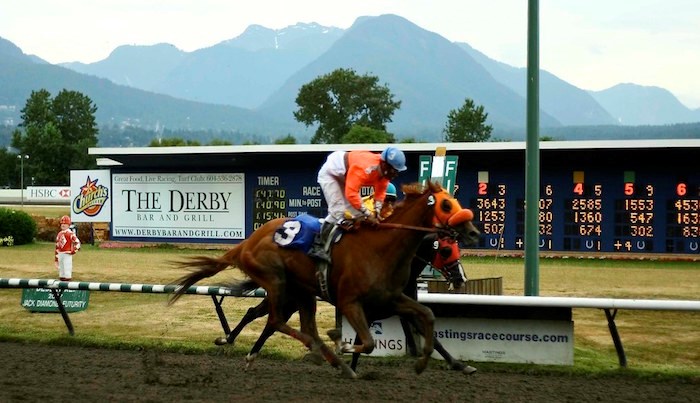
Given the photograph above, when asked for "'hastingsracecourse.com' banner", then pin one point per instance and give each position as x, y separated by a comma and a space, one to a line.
186, 206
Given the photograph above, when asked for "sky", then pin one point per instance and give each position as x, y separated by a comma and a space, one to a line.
592, 44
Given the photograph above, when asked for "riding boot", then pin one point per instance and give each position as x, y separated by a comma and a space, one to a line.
321, 245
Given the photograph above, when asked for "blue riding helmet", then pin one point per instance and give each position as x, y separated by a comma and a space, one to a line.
391, 190
394, 157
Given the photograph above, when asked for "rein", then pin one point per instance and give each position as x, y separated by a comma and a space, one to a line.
406, 226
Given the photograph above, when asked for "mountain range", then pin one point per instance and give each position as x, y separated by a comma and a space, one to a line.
248, 84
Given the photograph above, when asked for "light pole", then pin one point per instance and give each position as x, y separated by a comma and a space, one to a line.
21, 158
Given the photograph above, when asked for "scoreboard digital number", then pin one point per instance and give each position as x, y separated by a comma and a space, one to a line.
593, 207
268, 203
591, 211
583, 215
683, 219
490, 207
285, 195
634, 216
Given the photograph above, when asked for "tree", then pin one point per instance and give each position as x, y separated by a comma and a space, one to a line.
173, 142
360, 134
57, 134
288, 139
8, 170
341, 99
74, 114
220, 142
467, 124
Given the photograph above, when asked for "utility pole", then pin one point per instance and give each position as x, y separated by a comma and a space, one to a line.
21, 158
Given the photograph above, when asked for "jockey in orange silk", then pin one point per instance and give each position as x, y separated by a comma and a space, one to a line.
343, 175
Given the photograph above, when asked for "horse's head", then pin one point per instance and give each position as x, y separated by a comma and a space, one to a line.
451, 219
444, 260
444, 212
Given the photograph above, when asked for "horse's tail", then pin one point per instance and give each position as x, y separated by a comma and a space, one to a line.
202, 267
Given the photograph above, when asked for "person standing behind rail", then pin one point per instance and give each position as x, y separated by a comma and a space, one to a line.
342, 176
67, 244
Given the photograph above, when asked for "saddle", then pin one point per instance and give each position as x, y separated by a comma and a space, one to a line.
303, 232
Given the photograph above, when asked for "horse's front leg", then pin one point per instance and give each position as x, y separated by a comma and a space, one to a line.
452, 363
423, 316
412, 344
307, 319
355, 315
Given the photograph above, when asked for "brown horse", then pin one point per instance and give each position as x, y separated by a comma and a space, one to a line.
371, 267
454, 274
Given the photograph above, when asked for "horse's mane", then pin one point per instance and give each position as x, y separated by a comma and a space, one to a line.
416, 188
412, 191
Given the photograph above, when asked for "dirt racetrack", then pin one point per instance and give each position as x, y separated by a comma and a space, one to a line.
33, 372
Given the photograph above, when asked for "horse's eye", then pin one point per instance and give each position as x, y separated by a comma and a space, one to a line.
446, 206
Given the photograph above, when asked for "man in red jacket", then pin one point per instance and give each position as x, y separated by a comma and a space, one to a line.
67, 244
342, 176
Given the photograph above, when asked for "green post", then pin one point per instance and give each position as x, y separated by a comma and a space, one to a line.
532, 154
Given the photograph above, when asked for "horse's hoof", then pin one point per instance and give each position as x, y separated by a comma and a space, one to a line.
421, 365
249, 359
221, 341
347, 372
468, 370
314, 358
346, 348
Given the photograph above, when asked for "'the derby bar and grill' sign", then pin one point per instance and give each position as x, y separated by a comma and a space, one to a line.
193, 206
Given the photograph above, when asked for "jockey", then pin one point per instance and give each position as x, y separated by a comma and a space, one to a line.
343, 175
387, 207
389, 201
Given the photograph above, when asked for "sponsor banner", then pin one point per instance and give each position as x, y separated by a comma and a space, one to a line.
90, 196
507, 340
48, 194
179, 206
486, 340
42, 300
388, 336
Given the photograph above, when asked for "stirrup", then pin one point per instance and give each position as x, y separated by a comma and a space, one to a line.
347, 225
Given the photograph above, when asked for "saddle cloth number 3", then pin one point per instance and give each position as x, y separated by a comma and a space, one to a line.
287, 232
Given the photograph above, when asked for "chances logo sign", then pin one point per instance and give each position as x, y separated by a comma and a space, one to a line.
91, 196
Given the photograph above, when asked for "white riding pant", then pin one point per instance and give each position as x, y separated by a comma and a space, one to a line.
335, 198
65, 265
331, 178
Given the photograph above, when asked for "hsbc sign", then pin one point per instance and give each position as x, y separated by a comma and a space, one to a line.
60, 194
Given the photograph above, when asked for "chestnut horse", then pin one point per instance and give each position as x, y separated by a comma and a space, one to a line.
371, 267
454, 274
